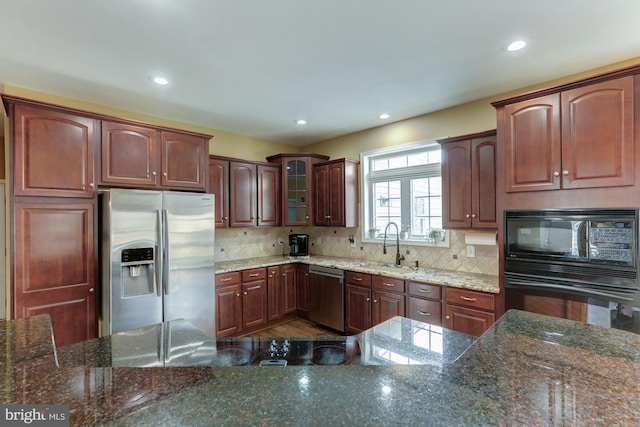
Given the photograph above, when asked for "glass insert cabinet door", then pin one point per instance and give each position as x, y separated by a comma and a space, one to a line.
297, 192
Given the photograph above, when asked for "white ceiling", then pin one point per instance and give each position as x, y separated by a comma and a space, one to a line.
254, 66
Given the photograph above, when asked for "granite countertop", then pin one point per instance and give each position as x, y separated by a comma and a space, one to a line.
478, 282
527, 369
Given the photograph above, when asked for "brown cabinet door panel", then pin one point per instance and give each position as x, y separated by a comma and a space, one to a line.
302, 276
321, 195
254, 304
243, 194
53, 153
532, 144
274, 293
597, 135
228, 310
184, 161
218, 185
467, 320
387, 305
54, 266
483, 183
129, 155
268, 195
289, 289
358, 308
336, 197
456, 184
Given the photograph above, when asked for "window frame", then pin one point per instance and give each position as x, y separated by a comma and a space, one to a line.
406, 173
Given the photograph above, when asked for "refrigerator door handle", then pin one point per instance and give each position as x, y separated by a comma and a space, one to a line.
159, 256
167, 251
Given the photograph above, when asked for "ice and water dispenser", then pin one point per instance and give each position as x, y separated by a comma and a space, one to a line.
137, 271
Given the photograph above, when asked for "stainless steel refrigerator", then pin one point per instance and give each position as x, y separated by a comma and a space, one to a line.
157, 259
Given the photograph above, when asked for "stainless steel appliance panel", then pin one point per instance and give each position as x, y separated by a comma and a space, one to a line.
129, 220
326, 297
189, 275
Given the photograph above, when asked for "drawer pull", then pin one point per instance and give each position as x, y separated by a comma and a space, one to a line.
424, 291
391, 285
254, 274
359, 279
462, 297
226, 279
424, 313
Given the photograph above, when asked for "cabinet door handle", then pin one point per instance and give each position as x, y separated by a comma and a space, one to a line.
390, 285
446, 317
424, 291
237, 295
473, 215
358, 279
467, 216
424, 313
154, 173
462, 297
245, 292
164, 174
254, 274
556, 173
368, 299
91, 290
91, 184
226, 279
375, 300
565, 172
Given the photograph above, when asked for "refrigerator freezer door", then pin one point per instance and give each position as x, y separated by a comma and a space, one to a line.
189, 280
130, 222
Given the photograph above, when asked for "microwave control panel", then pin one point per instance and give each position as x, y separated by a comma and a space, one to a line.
611, 241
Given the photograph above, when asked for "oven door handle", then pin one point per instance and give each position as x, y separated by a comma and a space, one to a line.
586, 290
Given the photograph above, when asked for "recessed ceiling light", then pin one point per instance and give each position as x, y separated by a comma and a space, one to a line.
516, 45
160, 81
301, 122
384, 116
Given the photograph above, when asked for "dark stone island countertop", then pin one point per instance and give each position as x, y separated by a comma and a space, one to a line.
527, 369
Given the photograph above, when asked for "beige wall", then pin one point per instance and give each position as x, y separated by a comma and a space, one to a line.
462, 119
222, 144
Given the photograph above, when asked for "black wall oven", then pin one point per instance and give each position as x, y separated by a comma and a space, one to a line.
587, 258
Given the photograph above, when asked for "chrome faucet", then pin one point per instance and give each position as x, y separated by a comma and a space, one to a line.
384, 245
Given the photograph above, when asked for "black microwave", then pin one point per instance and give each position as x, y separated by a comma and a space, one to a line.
592, 251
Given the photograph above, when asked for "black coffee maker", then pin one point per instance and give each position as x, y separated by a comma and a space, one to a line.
299, 244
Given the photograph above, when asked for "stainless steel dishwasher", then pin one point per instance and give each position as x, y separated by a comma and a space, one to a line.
326, 297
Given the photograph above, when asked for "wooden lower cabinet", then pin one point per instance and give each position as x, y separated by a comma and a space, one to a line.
274, 293
54, 266
289, 289
358, 308
241, 301
470, 312
302, 295
424, 302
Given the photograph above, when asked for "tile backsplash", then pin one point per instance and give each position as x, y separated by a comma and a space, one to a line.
242, 243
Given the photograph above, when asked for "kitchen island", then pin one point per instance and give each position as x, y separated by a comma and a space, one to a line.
527, 369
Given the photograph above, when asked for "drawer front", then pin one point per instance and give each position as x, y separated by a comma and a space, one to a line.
425, 310
425, 290
358, 279
388, 284
254, 274
225, 279
473, 299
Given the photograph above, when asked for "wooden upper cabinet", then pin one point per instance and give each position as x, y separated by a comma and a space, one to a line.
218, 185
268, 195
141, 156
184, 161
242, 194
297, 186
53, 152
532, 144
577, 138
336, 193
469, 181
129, 155
597, 135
